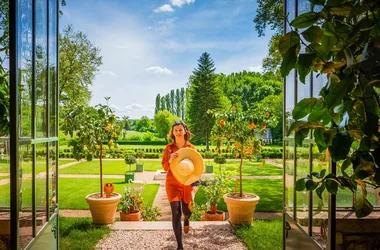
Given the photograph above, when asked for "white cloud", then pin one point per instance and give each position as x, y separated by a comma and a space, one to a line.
256, 68
164, 8
159, 70
116, 108
134, 106
110, 73
179, 3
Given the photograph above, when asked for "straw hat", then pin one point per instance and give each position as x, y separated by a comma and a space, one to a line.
188, 167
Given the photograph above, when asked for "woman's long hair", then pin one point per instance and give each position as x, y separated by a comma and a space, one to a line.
183, 124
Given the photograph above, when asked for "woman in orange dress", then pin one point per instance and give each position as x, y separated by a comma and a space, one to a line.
179, 195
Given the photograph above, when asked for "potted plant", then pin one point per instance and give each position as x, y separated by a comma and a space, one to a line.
215, 188
219, 159
240, 133
209, 166
129, 175
92, 129
342, 44
139, 165
130, 205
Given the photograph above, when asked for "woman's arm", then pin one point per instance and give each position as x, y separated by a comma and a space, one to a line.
166, 158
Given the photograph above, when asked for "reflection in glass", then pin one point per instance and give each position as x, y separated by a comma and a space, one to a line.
5, 225
25, 68
41, 68
52, 67
26, 190
318, 83
41, 185
320, 207
303, 6
289, 175
302, 198
290, 12
289, 100
53, 178
303, 91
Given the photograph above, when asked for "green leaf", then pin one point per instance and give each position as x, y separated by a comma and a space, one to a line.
305, 20
340, 147
319, 115
317, 2
365, 144
319, 175
304, 107
304, 64
300, 184
295, 125
289, 60
328, 42
341, 10
347, 162
336, 92
362, 206
332, 186
300, 136
311, 185
288, 41
328, 29
313, 34
320, 190
376, 178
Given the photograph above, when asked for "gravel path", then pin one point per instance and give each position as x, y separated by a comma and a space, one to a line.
210, 237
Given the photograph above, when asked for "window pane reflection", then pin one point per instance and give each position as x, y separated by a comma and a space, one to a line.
41, 185
5, 225
53, 178
26, 190
41, 68
289, 100
53, 66
289, 175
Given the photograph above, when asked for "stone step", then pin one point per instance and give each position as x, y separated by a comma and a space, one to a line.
167, 225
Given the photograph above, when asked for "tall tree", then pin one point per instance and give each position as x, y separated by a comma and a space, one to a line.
183, 102
269, 12
167, 100
177, 103
204, 95
144, 124
163, 103
158, 104
271, 63
163, 121
79, 62
172, 102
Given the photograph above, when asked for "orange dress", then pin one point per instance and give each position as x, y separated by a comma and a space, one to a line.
175, 190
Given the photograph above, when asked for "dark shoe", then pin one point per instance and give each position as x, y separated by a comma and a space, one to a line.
186, 229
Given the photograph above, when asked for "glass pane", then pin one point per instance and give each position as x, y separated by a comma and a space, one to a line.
53, 66
303, 91
344, 198
318, 83
26, 190
25, 67
303, 168
320, 207
289, 175
291, 12
5, 225
303, 6
41, 185
53, 178
289, 99
41, 68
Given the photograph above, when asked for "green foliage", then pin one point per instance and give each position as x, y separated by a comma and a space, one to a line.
144, 124
90, 127
163, 121
150, 213
204, 95
4, 102
130, 201
79, 60
130, 159
216, 187
342, 41
218, 159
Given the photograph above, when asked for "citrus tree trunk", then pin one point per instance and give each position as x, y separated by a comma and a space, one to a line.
240, 170
101, 169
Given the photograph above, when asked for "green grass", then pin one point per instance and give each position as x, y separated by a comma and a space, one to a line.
27, 166
72, 192
62, 162
4, 177
119, 167
269, 191
263, 235
80, 233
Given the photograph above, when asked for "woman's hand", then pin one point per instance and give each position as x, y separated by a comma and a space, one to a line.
173, 156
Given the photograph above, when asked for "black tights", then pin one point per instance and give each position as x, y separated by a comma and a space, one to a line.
176, 218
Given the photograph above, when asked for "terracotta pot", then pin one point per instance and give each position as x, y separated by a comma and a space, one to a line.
213, 208
103, 209
217, 216
135, 216
241, 210
108, 189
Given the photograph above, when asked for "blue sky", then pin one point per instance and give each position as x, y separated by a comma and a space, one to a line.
152, 46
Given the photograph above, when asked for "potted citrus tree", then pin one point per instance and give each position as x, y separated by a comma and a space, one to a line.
129, 160
219, 159
93, 130
130, 205
215, 187
139, 165
240, 133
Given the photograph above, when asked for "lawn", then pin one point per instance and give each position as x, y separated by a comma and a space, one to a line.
263, 235
269, 191
119, 167
72, 192
27, 166
4, 177
80, 233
